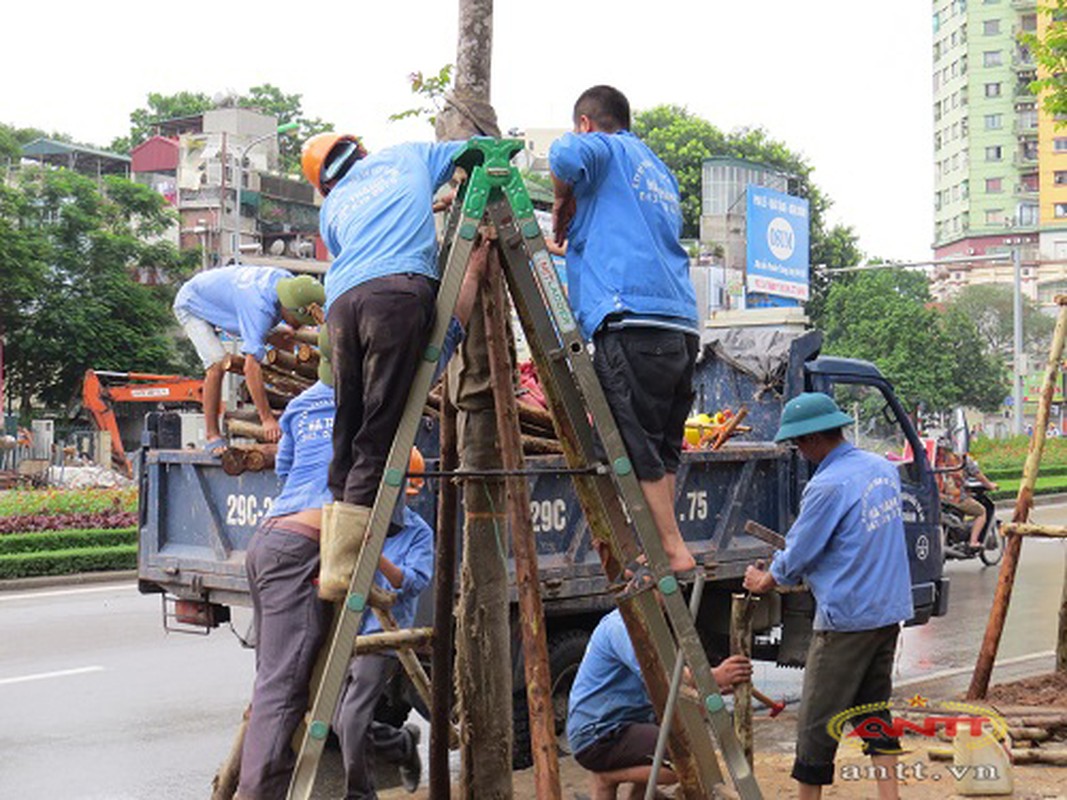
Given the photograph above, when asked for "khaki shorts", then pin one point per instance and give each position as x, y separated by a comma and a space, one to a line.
203, 336
970, 507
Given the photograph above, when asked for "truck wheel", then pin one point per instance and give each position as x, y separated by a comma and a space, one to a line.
565, 651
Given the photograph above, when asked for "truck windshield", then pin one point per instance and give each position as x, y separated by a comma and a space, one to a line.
875, 425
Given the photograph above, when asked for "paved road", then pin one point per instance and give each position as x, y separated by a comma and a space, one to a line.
98, 703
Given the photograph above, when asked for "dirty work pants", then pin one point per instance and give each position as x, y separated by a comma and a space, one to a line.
367, 678
378, 332
291, 622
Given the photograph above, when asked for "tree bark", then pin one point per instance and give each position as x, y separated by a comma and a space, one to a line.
483, 646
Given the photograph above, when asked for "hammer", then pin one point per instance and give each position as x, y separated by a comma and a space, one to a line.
776, 706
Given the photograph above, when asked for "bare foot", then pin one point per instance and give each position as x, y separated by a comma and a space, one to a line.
681, 561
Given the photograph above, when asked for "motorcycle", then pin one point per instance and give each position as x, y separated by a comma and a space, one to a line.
956, 529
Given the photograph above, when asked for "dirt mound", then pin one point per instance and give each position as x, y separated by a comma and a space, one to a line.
1041, 690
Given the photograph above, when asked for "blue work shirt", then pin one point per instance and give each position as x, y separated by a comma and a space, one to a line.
412, 551
608, 690
623, 253
378, 220
306, 446
305, 451
848, 543
241, 300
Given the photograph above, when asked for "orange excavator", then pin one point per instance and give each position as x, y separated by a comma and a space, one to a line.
132, 387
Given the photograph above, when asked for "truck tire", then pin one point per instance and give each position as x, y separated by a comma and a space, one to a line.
565, 651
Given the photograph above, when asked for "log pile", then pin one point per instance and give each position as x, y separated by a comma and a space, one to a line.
1038, 735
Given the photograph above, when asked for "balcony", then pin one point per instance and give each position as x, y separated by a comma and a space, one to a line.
1024, 5
1025, 160
1024, 129
1026, 192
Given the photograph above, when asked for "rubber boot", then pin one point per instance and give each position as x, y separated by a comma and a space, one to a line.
343, 528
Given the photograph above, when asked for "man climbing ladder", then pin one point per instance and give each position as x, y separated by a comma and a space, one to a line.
610, 493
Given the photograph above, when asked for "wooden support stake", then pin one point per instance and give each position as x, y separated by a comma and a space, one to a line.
524, 546
392, 640
224, 784
444, 593
983, 668
1031, 529
741, 609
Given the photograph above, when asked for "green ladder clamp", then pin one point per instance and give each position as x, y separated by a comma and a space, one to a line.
660, 626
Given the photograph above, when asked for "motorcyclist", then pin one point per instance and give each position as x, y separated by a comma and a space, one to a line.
969, 505
953, 488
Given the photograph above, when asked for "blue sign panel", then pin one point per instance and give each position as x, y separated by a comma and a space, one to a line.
777, 233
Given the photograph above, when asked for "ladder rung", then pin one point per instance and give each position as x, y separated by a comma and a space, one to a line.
403, 639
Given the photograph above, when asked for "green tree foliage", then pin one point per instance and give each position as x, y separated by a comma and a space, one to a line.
683, 140
265, 97
991, 307
938, 359
13, 138
431, 90
1050, 53
79, 305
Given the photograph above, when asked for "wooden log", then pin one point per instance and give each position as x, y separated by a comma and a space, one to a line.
235, 363
246, 414
307, 336
444, 593
741, 609
258, 460
1028, 734
233, 461
998, 612
250, 430
1032, 529
224, 784
393, 640
524, 545
288, 382
288, 363
729, 429
536, 416
765, 534
308, 354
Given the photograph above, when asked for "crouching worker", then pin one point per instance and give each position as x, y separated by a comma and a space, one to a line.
246, 302
611, 724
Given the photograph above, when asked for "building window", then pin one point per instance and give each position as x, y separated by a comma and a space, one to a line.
992, 58
994, 216
965, 189
1059, 177
1029, 22
991, 27
994, 185
994, 122
994, 153
992, 90
1027, 214
1059, 144
990, 2
1059, 210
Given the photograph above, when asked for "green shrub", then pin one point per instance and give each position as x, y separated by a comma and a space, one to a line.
67, 562
43, 541
1046, 484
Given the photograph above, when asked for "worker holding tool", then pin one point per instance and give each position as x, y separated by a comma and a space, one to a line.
611, 724
246, 302
848, 546
377, 221
290, 619
616, 205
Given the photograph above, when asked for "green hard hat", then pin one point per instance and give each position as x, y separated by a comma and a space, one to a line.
325, 370
296, 294
810, 412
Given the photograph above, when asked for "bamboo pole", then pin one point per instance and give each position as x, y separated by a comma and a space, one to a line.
1031, 529
524, 546
444, 592
224, 784
741, 609
1005, 581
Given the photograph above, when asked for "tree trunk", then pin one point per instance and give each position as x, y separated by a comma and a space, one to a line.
483, 642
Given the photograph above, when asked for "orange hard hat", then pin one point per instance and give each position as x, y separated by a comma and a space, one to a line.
416, 466
315, 152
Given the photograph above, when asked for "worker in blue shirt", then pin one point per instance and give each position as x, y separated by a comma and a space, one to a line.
611, 724
247, 302
616, 204
848, 546
377, 221
291, 621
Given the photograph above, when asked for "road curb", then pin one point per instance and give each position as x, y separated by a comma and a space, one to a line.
78, 579
1039, 500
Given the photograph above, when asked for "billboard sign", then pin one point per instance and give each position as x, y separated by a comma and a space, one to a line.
777, 235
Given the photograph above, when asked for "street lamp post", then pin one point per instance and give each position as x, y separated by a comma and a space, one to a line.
1017, 344
239, 181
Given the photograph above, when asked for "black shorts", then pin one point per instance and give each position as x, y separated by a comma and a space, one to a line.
647, 377
631, 745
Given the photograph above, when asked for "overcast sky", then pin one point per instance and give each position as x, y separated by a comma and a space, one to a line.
844, 82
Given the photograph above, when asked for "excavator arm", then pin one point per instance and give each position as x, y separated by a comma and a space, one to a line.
137, 387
